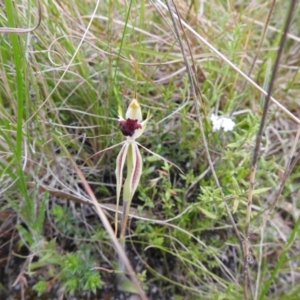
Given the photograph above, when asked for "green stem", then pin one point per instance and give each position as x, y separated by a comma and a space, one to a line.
122, 240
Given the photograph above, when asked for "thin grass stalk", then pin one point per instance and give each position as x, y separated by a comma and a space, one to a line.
259, 263
18, 150
281, 260
13, 29
256, 154
18, 61
70, 62
120, 48
257, 52
261, 39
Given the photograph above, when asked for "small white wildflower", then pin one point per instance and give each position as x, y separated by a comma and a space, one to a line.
221, 122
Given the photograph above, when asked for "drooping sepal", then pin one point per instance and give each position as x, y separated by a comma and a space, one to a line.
119, 177
134, 171
135, 168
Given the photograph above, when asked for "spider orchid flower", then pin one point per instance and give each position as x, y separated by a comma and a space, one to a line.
132, 128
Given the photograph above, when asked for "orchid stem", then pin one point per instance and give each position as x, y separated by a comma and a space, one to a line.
126, 206
124, 218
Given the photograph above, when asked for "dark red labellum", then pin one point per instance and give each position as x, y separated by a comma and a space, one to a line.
129, 126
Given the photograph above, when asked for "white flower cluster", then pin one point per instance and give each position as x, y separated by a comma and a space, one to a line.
221, 122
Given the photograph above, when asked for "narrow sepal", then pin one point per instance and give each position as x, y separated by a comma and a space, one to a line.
119, 177
135, 167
